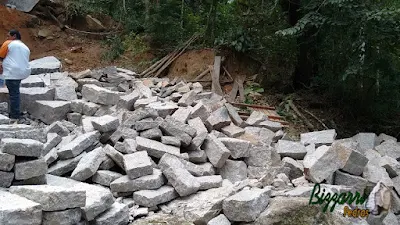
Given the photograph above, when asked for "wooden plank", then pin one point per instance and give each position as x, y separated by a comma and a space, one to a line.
252, 106
155, 64
216, 86
205, 72
158, 64
194, 37
226, 71
235, 89
241, 89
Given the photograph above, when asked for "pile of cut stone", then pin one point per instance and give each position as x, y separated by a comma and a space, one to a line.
118, 149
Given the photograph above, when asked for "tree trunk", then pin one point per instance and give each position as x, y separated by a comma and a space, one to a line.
305, 67
147, 12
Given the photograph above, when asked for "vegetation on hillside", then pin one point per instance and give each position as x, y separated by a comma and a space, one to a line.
348, 50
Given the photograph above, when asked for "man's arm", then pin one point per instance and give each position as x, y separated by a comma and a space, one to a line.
3, 53
4, 50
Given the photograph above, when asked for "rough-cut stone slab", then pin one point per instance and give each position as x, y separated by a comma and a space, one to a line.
32, 181
48, 64
75, 118
130, 118
124, 133
151, 198
62, 167
187, 99
296, 168
198, 170
154, 134
199, 111
118, 214
291, 149
6, 179
198, 124
234, 171
197, 156
65, 93
141, 103
149, 182
169, 140
218, 119
219, 220
52, 198
389, 148
53, 139
29, 96
233, 131
236, 119
90, 108
65, 217
18, 210
129, 146
127, 101
163, 108
384, 137
155, 148
255, 118
22, 147
100, 95
182, 114
208, 182
28, 169
260, 156
6, 161
197, 141
174, 170
146, 124
105, 177
107, 164
58, 128
246, 205
345, 179
391, 165
78, 145
325, 137
216, 151
374, 173
50, 111
116, 156
201, 207
4, 119
238, 148
89, 164
98, 199
137, 164
271, 125
174, 128
258, 135
366, 140
356, 163
105, 123
327, 161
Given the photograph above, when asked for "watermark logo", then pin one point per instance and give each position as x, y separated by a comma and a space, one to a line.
319, 197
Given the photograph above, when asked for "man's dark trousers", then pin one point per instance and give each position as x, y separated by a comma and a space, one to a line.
14, 96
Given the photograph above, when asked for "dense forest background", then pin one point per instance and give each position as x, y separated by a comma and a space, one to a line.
346, 50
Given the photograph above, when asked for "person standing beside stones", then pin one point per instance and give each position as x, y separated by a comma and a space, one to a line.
15, 67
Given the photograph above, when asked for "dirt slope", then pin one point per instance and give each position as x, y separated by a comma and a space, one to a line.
58, 43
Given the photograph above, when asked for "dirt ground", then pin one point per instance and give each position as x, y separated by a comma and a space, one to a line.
58, 43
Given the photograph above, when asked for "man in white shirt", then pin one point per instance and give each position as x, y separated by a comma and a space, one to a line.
15, 67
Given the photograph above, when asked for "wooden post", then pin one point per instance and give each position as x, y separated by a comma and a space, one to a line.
216, 86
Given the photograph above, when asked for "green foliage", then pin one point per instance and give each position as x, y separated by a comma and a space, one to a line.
357, 55
115, 48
